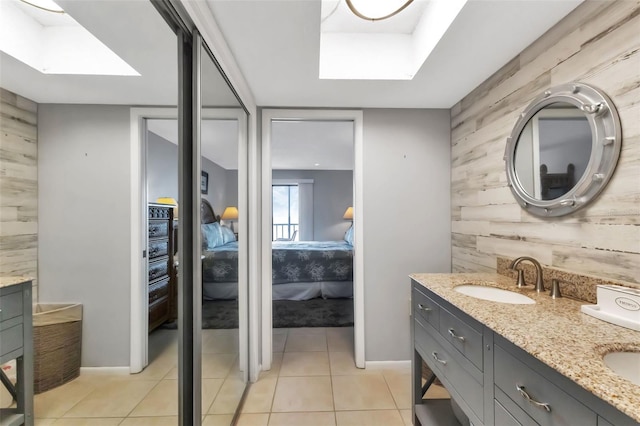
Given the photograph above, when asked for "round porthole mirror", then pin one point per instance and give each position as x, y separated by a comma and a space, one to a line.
563, 150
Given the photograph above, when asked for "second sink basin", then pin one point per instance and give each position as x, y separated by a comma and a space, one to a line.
625, 364
494, 294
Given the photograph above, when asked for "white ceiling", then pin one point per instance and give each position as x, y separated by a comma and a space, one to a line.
136, 32
276, 43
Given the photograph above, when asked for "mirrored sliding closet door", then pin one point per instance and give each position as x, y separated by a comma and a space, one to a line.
222, 305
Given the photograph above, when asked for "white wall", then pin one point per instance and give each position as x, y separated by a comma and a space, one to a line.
162, 175
407, 221
162, 168
84, 214
332, 194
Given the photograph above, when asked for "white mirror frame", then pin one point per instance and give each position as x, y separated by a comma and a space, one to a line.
606, 145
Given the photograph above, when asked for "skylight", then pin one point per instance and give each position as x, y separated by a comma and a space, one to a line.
55, 43
393, 49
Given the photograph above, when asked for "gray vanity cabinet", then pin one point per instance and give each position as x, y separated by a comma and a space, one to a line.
16, 342
493, 381
451, 344
543, 402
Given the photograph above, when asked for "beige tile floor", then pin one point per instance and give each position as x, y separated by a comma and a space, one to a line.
151, 397
313, 381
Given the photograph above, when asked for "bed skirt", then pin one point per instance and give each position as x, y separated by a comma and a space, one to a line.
289, 291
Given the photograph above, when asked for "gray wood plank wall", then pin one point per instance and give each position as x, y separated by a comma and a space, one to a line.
598, 43
18, 187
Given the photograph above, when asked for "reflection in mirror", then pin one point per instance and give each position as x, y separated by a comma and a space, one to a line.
553, 151
224, 346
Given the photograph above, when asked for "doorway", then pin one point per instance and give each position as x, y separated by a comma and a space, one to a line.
354, 119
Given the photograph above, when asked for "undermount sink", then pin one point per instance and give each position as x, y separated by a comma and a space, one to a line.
625, 364
494, 294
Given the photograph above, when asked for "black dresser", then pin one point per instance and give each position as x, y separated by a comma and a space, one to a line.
162, 277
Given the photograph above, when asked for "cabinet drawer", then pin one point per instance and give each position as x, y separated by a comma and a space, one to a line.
158, 312
158, 269
11, 339
158, 212
10, 305
511, 374
603, 422
512, 409
462, 336
158, 229
502, 416
426, 346
446, 366
426, 308
158, 289
158, 248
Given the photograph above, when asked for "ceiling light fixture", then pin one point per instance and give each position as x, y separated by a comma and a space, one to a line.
375, 8
46, 5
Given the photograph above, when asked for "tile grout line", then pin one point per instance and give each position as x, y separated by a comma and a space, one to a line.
333, 395
143, 398
73, 406
275, 389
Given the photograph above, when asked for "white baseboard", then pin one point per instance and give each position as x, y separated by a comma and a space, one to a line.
121, 371
382, 365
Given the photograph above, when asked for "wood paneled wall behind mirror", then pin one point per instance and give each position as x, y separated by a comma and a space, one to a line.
224, 277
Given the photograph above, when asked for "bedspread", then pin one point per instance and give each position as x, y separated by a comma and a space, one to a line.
305, 261
292, 261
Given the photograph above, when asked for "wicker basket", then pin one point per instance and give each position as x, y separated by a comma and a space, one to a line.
57, 344
426, 373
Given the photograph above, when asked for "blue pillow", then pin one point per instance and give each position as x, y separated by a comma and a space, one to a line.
348, 236
227, 234
211, 235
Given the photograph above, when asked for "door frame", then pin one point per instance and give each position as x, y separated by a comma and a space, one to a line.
139, 354
356, 116
139, 335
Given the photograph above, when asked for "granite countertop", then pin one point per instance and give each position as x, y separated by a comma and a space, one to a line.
554, 331
9, 281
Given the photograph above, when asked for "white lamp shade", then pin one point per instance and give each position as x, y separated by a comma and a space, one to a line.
348, 214
230, 213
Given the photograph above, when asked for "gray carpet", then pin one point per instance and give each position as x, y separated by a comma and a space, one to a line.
217, 314
313, 313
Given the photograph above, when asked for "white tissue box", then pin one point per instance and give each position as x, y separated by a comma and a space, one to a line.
618, 305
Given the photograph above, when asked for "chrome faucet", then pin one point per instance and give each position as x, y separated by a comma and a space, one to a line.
536, 264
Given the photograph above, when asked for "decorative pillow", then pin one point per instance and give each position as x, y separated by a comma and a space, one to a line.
211, 235
227, 234
348, 236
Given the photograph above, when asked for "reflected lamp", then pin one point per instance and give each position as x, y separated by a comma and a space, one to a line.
170, 201
230, 213
348, 214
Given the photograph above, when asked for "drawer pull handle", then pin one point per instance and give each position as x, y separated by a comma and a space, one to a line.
532, 401
453, 334
424, 308
435, 356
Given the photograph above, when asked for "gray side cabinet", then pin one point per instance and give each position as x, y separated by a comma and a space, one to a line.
493, 381
16, 342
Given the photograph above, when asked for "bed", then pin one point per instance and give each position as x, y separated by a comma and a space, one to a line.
301, 270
